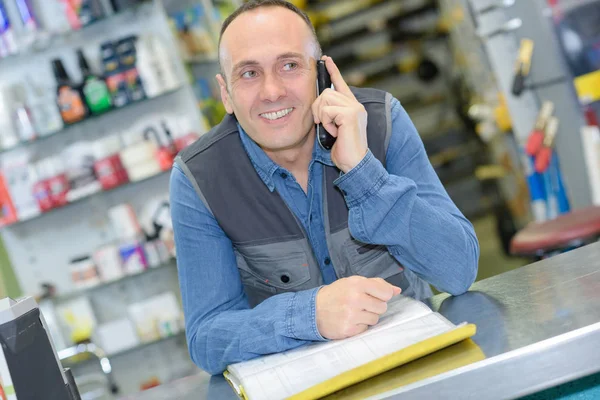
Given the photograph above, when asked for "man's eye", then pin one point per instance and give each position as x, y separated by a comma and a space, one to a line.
249, 74
290, 66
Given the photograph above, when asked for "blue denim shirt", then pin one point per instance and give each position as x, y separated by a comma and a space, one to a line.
403, 206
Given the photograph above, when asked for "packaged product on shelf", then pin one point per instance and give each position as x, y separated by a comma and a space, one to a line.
133, 257
44, 109
8, 213
83, 272
95, 91
107, 165
69, 98
78, 317
126, 53
140, 160
20, 176
79, 164
125, 223
8, 44
30, 25
154, 65
165, 153
71, 14
88, 11
109, 263
21, 115
8, 134
57, 181
156, 317
41, 188
116, 336
27, 15
115, 77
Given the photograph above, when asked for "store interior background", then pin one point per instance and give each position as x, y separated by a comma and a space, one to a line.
85, 222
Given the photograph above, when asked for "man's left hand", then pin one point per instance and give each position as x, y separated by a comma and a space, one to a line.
344, 118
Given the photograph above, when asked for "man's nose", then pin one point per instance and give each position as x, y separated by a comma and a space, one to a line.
272, 88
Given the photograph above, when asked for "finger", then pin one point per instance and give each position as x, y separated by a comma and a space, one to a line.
336, 78
367, 318
371, 304
360, 328
379, 289
316, 106
332, 117
332, 98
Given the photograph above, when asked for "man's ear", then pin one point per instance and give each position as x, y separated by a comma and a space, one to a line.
224, 94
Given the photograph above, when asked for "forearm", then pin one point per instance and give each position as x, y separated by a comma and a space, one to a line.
430, 237
280, 323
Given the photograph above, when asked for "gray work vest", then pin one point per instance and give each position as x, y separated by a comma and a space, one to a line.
272, 250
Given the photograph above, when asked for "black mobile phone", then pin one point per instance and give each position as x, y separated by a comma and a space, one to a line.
323, 82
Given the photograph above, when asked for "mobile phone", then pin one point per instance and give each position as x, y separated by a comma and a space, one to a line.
323, 82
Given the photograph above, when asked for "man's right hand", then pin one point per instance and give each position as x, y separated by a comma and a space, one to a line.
349, 306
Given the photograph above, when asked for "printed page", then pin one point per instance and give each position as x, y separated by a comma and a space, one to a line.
300, 374
400, 310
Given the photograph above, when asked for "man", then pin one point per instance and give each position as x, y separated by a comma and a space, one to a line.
281, 242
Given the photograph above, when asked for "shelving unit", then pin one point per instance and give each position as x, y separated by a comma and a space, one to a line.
402, 47
105, 115
105, 285
40, 248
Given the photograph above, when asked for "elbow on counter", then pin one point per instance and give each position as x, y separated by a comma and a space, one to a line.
468, 266
199, 353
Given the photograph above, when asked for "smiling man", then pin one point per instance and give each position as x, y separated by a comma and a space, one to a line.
281, 242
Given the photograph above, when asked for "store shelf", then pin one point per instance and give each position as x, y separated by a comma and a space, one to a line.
88, 291
68, 127
19, 222
51, 40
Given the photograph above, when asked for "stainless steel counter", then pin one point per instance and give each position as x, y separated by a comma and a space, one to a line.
538, 326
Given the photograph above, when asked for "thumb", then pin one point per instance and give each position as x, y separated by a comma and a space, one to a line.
397, 290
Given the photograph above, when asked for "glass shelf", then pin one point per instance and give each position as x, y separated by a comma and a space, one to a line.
22, 221
90, 118
86, 291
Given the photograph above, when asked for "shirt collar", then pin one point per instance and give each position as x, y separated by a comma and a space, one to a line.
265, 167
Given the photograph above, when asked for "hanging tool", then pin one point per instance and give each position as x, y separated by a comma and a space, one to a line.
522, 67
536, 138
544, 156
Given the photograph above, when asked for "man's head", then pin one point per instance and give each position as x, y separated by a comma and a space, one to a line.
267, 52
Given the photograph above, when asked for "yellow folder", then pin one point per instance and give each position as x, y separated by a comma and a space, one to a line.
426, 367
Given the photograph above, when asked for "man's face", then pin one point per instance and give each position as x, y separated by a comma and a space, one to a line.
268, 57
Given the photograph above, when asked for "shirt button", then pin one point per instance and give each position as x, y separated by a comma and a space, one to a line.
327, 261
285, 278
283, 175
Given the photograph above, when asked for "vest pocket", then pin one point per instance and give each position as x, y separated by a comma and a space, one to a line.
280, 274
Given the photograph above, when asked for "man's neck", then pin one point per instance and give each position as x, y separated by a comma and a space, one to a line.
296, 160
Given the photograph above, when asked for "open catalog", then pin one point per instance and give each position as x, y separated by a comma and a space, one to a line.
407, 331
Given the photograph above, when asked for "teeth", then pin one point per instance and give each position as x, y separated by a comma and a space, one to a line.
276, 115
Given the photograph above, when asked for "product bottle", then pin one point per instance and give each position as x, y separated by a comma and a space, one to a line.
126, 52
27, 17
43, 106
8, 45
115, 77
148, 68
22, 119
95, 91
69, 98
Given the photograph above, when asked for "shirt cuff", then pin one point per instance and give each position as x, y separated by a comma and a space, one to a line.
363, 180
302, 316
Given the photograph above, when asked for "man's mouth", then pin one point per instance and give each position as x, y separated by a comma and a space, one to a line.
272, 116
